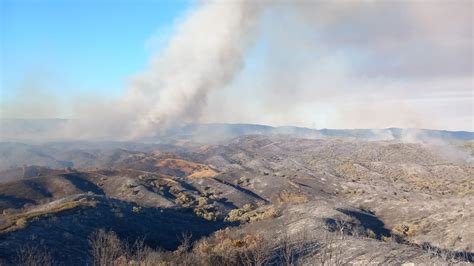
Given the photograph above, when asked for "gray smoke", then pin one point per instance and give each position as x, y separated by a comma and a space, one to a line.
333, 64
205, 54
358, 64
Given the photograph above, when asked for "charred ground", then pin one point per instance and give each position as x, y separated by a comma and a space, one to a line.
378, 200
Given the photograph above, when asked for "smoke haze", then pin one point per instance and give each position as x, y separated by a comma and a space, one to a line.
359, 64
205, 54
333, 64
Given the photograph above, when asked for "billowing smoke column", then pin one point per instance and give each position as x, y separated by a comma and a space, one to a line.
205, 54
326, 63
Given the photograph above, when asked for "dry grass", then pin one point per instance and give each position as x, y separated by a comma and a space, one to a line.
422, 182
205, 172
353, 191
350, 170
170, 180
410, 230
228, 247
290, 197
20, 221
469, 146
222, 248
466, 188
191, 169
247, 215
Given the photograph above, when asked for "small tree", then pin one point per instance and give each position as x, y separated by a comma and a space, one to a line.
106, 247
33, 256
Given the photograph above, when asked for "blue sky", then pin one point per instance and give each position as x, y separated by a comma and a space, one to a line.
82, 46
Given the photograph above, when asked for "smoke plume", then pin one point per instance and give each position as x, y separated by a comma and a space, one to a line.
205, 54
319, 64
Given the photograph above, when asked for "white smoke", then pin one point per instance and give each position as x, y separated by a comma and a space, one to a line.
333, 64
342, 64
205, 54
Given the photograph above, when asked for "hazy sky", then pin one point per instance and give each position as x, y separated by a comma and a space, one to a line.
334, 64
82, 44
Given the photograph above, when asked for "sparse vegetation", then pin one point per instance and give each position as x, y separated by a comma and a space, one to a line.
290, 197
184, 200
410, 230
243, 181
19, 221
309, 184
248, 214
221, 249
29, 255
106, 248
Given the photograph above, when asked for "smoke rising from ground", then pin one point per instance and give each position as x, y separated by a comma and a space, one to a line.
334, 64
205, 54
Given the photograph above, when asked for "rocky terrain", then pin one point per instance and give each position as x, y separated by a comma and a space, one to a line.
360, 200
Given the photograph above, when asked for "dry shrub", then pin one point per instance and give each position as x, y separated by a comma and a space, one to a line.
207, 214
330, 251
246, 214
224, 249
20, 221
290, 197
410, 230
206, 210
184, 200
288, 250
106, 248
33, 256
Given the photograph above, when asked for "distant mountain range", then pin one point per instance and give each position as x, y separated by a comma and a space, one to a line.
41, 129
218, 131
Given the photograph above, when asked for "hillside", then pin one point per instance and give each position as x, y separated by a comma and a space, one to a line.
378, 200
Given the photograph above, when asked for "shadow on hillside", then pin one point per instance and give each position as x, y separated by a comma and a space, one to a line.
83, 184
372, 222
13, 202
368, 221
66, 234
36, 186
448, 254
188, 186
241, 189
365, 222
